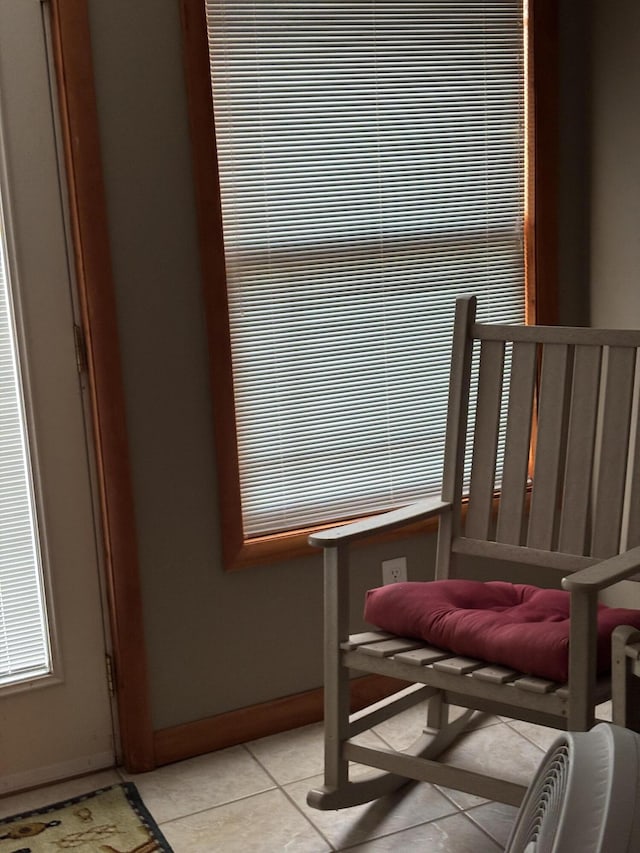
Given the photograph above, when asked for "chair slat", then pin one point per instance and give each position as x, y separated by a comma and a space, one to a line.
458, 666
614, 445
389, 647
521, 554
356, 640
546, 477
485, 440
633, 475
557, 335
535, 685
455, 442
517, 442
496, 674
423, 656
576, 494
633, 535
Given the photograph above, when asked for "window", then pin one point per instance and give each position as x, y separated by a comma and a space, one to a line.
372, 161
25, 652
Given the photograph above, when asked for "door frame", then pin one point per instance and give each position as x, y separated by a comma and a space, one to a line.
88, 214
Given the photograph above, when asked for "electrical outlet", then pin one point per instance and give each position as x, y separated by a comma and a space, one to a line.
394, 571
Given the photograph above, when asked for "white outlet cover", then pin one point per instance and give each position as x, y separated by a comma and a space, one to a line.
394, 571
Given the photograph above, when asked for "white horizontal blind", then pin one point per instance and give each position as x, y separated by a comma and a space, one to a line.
371, 160
24, 641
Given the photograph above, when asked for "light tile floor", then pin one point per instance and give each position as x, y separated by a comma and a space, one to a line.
251, 798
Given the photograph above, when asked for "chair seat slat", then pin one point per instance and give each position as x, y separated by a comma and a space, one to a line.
422, 656
496, 674
458, 665
356, 640
387, 648
535, 685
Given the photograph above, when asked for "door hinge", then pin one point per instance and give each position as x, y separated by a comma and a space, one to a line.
81, 348
111, 681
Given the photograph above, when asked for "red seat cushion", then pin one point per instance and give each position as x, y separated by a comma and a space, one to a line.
516, 625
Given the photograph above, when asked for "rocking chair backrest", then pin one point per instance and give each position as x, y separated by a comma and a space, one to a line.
555, 429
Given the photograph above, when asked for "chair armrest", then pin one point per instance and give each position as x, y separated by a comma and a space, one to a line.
396, 518
604, 574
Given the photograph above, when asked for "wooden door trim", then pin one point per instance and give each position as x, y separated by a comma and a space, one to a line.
88, 213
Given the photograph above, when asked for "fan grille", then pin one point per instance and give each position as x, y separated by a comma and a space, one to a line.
584, 797
540, 817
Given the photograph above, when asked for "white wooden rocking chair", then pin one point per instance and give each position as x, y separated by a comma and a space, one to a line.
578, 513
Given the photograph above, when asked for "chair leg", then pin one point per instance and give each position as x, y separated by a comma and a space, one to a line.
336, 721
429, 745
625, 678
355, 793
336, 675
437, 713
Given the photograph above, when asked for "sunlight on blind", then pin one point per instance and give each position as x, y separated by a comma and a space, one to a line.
371, 161
24, 643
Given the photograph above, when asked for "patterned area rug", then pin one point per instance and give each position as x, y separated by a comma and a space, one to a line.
111, 820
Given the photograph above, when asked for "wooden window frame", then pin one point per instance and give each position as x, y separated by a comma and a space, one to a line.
541, 34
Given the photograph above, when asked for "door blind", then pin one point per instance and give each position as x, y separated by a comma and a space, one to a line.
24, 642
372, 167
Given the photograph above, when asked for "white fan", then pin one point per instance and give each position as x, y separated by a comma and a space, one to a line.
585, 797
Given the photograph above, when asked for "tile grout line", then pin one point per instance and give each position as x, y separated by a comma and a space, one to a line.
456, 809
527, 738
460, 809
210, 808
484, 831
307, 818
274, 786
416, 826
480, 827
270, 775
281, 788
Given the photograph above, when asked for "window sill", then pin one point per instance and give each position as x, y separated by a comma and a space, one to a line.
284, 546
278, 547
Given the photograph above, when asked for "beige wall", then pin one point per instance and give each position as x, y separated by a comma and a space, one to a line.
216, 641
574, 163
615, 183
615, 218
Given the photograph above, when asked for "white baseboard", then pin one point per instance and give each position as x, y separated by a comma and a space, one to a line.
55, 772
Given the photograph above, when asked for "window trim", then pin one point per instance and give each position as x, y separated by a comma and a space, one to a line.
540, 252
